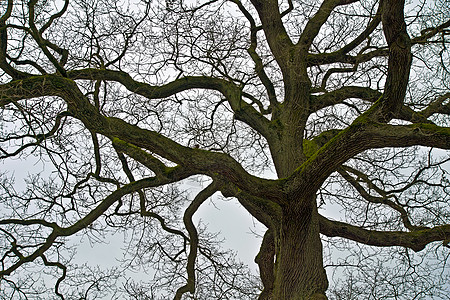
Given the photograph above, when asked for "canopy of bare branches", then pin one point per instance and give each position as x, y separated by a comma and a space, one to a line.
327, 120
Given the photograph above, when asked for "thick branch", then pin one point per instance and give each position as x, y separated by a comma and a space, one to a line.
213, 164
364, 93
141, 156
313, 26
244, 112
265, 211
277, 37
400, 58
193, 238
154, 92
339, 95
429, 135
416, 240
428, 33
336, 57
437, 106
358, 137
341, 54
259, 66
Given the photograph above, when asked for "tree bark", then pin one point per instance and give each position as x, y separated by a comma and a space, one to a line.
299, 271
265, 261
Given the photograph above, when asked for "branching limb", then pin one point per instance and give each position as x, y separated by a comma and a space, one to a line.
258, 103
4, 65
384, 199
438, 106
358, 137
264, 210
277, 37
162, 222
193, 238
313, 26
81, 224
400, 58
213, 164
28, 62
344, 93
330, 58
430, 32
416, 240
243, 111
44, 44
54, 17
60, 279
30, 222
341, 54
259, 66
333, 71
141, 156
144, 157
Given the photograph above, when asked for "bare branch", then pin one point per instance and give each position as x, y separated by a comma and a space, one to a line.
416, 240
193, 238
400, 58
384, 199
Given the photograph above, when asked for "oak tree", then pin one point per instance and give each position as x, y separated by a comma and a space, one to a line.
111, 106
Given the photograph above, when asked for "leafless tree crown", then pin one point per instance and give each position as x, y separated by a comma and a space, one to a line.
108, 109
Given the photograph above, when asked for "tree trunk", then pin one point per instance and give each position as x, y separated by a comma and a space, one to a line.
299, 271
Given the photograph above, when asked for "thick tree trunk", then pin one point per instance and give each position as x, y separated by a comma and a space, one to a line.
299, 271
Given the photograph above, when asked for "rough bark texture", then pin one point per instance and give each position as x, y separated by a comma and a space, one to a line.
265, 261
299, 267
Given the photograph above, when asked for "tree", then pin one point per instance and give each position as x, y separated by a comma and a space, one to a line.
347, 100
